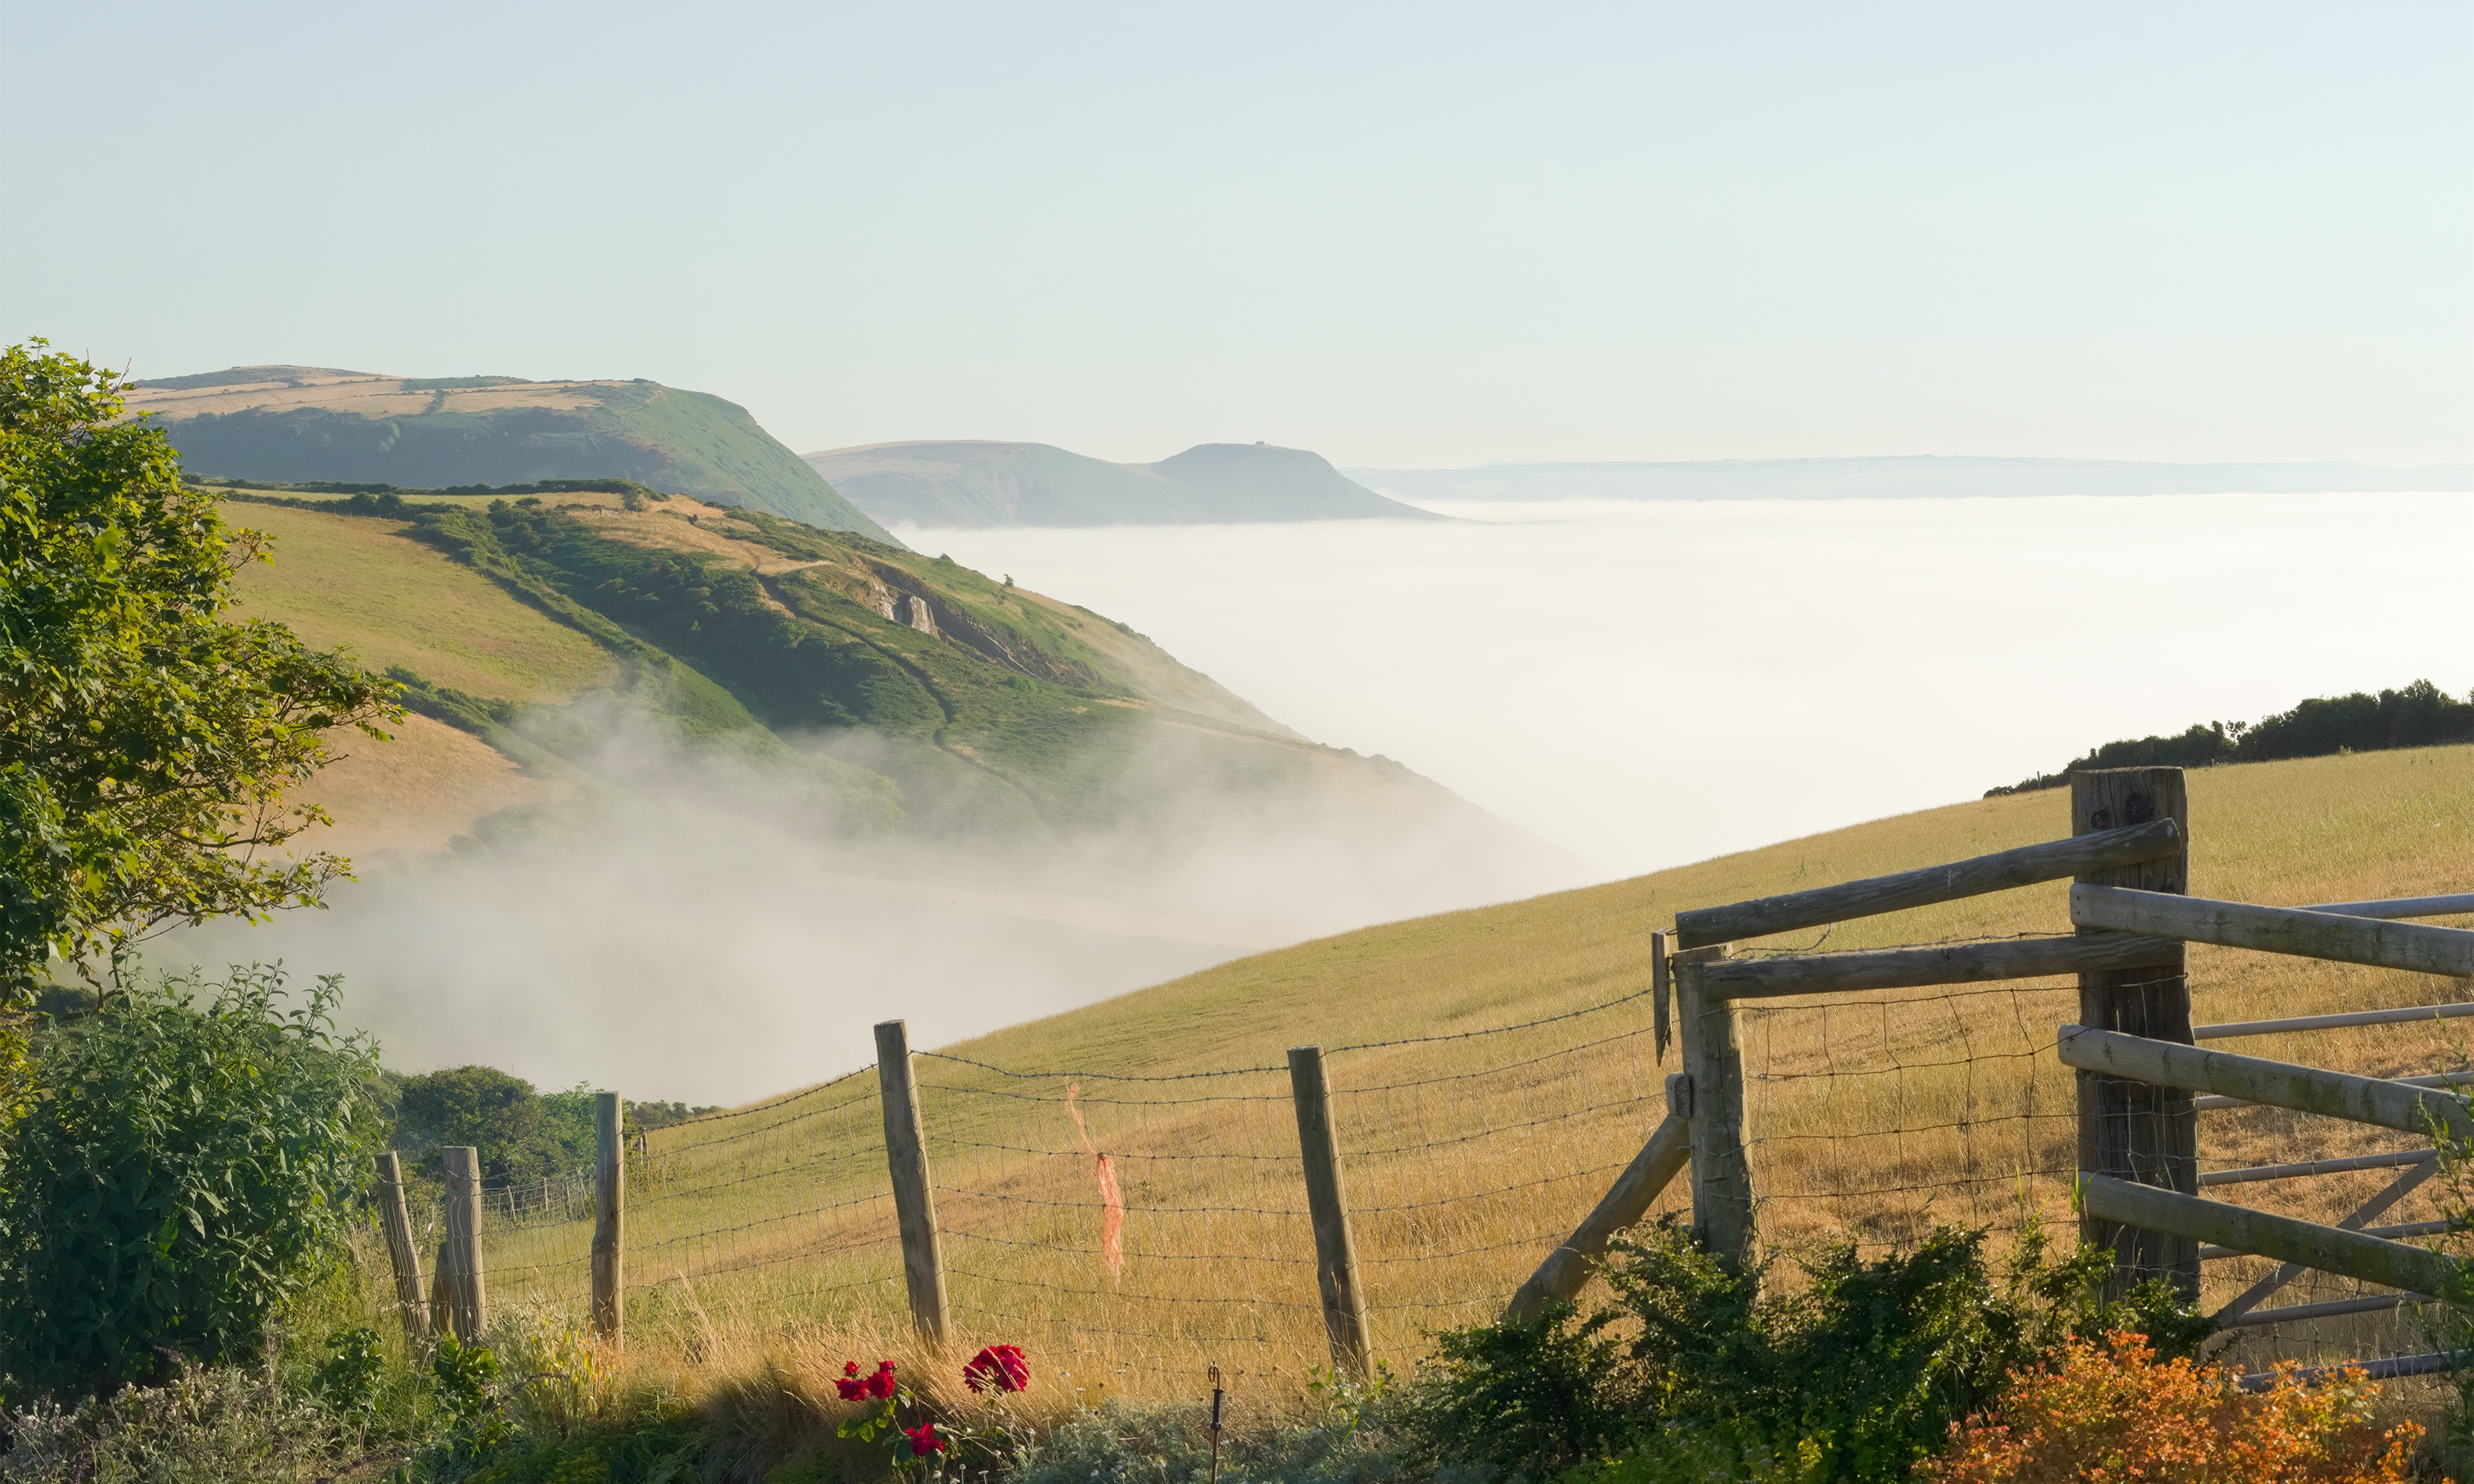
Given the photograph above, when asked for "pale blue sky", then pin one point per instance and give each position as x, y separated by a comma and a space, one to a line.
1406, 235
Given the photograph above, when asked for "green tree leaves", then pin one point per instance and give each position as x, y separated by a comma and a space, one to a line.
148, 739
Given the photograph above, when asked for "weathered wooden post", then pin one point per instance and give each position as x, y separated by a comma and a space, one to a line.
1344, 1296
915, 1202
1722, 1172
395, 1219
2132, 1130
467, 1302
609, 1218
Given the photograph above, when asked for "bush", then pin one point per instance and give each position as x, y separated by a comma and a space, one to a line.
1848, 1368
2120, 1413
1122, 1442
204, 1428
182, 1175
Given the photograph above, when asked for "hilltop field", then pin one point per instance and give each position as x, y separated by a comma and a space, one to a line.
313, 422
1491, 1069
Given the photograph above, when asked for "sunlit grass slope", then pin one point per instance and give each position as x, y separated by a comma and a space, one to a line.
1469, 1153
394, 601
2320, 829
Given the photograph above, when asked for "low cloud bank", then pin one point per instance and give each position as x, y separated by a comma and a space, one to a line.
1652, 683
694, 923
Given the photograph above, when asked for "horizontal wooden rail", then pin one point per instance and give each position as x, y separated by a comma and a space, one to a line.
2296, 1314
2401, 1228
2330, 1249
2451, 1081
2360, 1161
1958, 963
1568, 1267
2234, 925
2458, 905
2392, 1104
2370, 1370
2107, 850
2229, 1029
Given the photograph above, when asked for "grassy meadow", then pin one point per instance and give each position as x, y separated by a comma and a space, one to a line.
362, 582
1472, 1138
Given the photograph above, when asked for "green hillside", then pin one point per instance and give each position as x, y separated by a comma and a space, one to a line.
1000, 484
295, 424
971, 707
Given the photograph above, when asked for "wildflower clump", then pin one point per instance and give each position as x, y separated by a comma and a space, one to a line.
2102, 1413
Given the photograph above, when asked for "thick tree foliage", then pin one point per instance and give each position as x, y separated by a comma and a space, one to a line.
148, 738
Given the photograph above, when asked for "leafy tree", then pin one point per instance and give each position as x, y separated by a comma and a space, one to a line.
497, 1114
185, 1172
148, 738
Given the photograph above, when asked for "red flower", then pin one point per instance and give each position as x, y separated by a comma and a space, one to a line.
924, 1440
880, 1385
1001, 1366
854, 1387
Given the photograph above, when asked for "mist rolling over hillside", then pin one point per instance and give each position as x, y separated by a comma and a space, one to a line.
969, 483
693, 796
292, 423
1919, 477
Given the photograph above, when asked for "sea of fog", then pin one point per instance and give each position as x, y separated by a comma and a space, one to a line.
1648, 683
1641, 684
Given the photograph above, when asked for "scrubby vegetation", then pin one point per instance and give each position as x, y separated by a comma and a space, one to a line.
2418, 715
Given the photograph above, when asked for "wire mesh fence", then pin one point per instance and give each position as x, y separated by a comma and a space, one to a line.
1135, 1228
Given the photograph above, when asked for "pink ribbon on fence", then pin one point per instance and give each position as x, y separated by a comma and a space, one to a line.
1112, 1201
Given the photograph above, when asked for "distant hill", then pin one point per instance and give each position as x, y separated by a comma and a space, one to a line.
297, 423
1919, 477
998, 484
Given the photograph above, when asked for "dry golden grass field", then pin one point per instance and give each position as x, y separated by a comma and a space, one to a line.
1491, 1069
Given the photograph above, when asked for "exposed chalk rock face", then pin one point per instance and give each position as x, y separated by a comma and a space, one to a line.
915, 612
880, 598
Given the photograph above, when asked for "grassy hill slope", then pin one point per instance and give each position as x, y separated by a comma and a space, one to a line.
302, 423
1491, 1071
2322, 829
974, 707
1002, 483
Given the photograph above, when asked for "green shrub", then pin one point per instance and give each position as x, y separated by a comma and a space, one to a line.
1122, 1443
1844, 1369
183, 1173
206, 1427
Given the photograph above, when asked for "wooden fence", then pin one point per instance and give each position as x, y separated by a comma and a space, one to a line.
2141, 1082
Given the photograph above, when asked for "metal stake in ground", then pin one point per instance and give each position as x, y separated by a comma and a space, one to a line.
1216, 1394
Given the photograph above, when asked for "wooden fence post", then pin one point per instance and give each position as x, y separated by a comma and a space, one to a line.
395, 1219
609, 1218
1343, 1298
468, 1302
915, 1202
2131, 1130
1722, 1173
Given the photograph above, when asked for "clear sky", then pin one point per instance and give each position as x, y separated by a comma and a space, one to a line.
1410, 235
